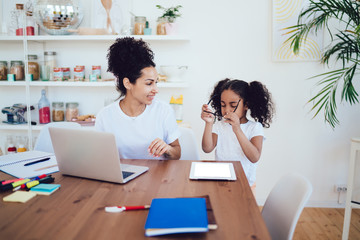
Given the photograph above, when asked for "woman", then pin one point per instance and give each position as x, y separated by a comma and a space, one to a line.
144, 127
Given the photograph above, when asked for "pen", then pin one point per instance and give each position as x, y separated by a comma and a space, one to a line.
11, 181
28, 185
37, 161
125, 208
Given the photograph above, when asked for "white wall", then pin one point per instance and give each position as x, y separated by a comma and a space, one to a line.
233, 39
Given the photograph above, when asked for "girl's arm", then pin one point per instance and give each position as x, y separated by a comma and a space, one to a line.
171, 151
209, 139
251, 148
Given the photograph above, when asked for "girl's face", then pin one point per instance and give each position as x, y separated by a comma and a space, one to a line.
229, 101
145, 87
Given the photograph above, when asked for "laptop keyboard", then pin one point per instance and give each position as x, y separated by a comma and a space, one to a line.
126, 174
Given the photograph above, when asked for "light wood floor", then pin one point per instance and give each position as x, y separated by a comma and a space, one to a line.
325, 223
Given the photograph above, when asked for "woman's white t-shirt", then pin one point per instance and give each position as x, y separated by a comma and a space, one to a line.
134, 134
229, 149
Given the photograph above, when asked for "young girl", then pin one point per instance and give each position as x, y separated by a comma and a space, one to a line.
234, 135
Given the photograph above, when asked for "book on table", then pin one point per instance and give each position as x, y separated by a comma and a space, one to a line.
176, 215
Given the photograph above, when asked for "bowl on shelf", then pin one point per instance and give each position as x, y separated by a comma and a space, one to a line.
173, 72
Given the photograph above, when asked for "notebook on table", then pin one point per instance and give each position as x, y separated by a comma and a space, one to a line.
91, 154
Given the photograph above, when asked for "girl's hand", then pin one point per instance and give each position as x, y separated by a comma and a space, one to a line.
233, 119
206, 114
158, 147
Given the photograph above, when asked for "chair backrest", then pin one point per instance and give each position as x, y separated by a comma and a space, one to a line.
43, 142
189, 147
284, 205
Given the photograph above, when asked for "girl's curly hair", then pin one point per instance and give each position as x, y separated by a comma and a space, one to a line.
254, 94
126, 58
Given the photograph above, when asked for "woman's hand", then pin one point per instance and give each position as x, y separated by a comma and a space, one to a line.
158, 147
233, 119
206, 114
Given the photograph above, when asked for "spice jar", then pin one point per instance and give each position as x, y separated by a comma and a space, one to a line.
17, 68
160, 28
72, 110
33, 67
3, 70
50, 63
58, 111
139, 25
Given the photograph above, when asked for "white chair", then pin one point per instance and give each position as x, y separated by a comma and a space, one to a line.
284, 205
43, 142
189, 147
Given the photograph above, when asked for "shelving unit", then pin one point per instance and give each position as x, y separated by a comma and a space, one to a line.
46, 42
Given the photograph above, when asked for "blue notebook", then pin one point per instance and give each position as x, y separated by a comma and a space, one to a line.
176, 215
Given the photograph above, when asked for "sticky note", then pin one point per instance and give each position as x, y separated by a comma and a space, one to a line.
19, 196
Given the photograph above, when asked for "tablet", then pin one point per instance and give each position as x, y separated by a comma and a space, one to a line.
212, 171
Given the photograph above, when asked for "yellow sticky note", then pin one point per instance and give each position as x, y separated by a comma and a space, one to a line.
19, 196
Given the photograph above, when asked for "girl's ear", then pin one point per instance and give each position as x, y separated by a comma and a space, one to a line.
127, 83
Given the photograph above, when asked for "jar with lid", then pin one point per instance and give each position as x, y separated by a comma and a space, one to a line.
33, 67
58, 112
160, 28
139, 25
72, 110
17, 68
3, 70
50, 63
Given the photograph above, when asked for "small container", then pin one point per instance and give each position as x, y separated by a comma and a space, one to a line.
49, 64
66, 73
58, 74
3, 70
147, 30
96, 70
72, 110
139, 25
17, 68
79, 73
33, 67
58, 111
160, 28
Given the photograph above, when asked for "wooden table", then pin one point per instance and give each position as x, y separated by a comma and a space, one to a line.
76, 210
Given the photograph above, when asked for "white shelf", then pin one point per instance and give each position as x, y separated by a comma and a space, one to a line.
93, 37
85, 84
5, 126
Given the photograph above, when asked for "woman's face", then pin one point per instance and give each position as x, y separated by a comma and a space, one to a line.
145, 87
229, 101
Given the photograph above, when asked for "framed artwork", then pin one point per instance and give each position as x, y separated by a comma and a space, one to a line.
285, 14
113, 15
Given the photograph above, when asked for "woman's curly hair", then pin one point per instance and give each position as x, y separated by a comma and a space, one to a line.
126, 58
254, 94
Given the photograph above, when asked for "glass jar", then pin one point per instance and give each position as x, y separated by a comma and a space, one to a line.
72, 110
17, 68
50, 63
33, 67
139, 25
3, 70
160, 28
58, 112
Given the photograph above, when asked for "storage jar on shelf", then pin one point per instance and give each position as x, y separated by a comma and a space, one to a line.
3, 70
72, 111
17, 68
33, 67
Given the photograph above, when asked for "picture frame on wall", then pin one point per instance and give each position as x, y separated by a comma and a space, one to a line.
118, 12
285, 14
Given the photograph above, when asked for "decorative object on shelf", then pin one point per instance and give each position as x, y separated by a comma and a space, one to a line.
16, 113
177, 104
343, 48
111, 15
139, 25
56, 17
169, 15
147, 30
284, 15
173, 73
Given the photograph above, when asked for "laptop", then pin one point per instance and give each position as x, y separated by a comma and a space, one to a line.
91, 154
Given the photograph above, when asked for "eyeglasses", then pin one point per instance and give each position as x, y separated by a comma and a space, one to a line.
237, 105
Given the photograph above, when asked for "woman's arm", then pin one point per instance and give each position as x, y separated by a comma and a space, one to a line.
170, 151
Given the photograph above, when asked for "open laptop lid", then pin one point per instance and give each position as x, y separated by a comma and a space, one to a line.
89, 154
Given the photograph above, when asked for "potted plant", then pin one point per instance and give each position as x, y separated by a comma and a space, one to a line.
344, 46
169, 16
